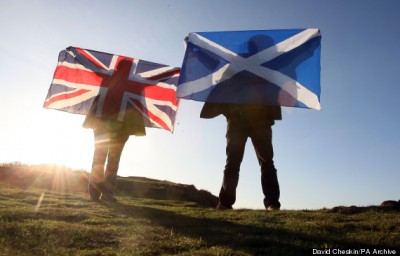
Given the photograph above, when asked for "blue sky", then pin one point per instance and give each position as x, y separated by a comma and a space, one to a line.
346, 154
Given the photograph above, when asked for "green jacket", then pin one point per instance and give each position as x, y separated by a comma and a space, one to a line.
133, 123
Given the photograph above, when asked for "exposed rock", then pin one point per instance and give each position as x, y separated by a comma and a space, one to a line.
164, 190
391, 204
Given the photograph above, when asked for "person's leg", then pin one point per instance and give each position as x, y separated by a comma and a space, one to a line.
114, 155
236, 140
99, 159
261, 136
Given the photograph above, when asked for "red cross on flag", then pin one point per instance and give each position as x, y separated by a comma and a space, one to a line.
119, 82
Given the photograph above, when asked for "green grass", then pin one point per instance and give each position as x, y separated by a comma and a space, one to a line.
70, 224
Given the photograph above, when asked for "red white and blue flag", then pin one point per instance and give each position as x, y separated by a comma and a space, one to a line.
271, 67
118, 82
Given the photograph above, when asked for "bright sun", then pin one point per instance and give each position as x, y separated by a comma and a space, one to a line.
51, 137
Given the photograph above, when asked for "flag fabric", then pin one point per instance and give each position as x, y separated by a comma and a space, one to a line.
272, 67
118, 83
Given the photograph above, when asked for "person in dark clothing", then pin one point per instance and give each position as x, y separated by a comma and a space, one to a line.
245, 121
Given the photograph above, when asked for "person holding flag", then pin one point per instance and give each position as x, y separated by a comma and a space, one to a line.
247, 76
120, 96
110, 136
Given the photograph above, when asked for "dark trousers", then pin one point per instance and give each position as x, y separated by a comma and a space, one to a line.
260, 133
108, 146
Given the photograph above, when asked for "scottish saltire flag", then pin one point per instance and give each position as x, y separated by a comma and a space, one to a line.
118, 82
272, 67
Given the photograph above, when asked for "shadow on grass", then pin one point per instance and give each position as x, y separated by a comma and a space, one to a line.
239, 237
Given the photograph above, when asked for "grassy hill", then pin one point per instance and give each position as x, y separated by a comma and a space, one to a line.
49, 221
61, 178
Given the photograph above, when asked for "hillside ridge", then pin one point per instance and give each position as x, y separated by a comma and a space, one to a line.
61, 178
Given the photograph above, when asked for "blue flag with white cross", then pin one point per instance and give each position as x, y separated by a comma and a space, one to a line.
271, 67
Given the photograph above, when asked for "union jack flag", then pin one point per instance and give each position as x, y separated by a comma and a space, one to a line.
271, 67
118, 82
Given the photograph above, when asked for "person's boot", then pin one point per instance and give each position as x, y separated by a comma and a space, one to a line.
222, 207
95, 184
108, 186
94, 190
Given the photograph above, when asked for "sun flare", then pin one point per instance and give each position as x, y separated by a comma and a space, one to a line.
52, 137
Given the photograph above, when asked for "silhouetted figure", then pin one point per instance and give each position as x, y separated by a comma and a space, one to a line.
244, 120
110, 135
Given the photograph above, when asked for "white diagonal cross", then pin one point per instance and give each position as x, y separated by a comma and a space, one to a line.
252, 64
